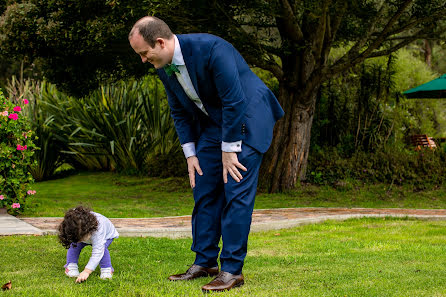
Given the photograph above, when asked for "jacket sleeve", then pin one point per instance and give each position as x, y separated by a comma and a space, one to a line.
98, 248
224, 70
184, 122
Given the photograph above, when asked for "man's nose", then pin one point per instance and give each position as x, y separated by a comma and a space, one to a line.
143, 59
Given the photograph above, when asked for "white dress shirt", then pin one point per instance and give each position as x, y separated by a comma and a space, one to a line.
185, 81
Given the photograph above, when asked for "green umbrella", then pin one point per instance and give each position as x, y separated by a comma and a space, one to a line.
434, 89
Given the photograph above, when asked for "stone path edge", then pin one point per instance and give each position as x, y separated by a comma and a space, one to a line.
263, 220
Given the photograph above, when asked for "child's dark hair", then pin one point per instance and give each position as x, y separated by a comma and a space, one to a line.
77, 223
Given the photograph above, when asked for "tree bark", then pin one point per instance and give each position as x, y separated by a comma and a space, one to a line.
427, 53
285, 162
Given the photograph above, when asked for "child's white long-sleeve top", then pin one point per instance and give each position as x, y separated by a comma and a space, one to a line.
105, 231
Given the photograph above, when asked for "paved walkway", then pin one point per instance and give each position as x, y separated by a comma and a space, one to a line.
10, 225
174, 227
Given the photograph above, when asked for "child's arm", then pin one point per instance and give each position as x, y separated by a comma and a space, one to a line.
83, 275
97, 252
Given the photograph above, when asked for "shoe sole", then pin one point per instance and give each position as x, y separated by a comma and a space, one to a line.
236, 286
188, 279
71, 276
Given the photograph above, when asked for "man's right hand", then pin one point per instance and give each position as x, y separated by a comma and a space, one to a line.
192, 166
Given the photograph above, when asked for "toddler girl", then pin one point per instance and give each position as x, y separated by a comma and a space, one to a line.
79, 228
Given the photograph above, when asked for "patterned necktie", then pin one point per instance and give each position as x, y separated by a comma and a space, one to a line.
171, 69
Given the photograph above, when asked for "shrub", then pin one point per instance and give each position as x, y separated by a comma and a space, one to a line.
389, 165
172, 164
362, 109
116, 127
49, 157
16, 150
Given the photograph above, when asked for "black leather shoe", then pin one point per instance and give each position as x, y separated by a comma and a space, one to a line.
224, 281
195, 271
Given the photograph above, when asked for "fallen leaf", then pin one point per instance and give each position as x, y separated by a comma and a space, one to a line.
7, 286
277, 234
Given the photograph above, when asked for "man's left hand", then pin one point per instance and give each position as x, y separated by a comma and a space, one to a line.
231, 166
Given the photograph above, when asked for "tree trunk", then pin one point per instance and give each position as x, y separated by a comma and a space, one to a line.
427, 53
286, 160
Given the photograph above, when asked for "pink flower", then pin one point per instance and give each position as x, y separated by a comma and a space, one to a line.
21, 148
13, 116
5, 113
31, 192
17, 108
25, 101
15, 205
2, 197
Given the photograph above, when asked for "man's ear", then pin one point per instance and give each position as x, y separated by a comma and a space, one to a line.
161, 42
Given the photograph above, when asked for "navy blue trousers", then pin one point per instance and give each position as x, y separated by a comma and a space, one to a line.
223, 210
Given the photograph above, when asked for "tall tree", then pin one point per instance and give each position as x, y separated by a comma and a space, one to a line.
83, 41
77, 44
292, 39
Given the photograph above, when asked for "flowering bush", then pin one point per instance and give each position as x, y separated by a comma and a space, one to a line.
16, 149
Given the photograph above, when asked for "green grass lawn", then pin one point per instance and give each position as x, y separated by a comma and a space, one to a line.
358, 257
116, 195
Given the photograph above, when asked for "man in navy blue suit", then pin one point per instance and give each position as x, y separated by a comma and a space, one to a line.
224, 116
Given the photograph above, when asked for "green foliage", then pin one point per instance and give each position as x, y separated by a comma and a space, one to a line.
439, 55
81, 43
172, 164
16, 150
388, 165
355, 110
49, 157
123, 196
418, 116
78, 44
364, 109
119, 126
269, 79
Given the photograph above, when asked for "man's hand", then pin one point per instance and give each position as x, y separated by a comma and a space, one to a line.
192, 166
230, 164
83, 275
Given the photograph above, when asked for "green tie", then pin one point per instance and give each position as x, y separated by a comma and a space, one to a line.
171, 69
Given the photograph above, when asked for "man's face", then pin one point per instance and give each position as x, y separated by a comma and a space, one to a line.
157, 56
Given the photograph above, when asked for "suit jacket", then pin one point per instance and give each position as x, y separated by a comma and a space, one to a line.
234, 97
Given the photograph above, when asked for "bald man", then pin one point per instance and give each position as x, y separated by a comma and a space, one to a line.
224, 117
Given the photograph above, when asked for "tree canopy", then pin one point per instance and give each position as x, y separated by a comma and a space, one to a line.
293, 40
77, 44
84, 42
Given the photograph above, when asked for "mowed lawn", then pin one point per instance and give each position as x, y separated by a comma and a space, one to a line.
117, 196
358, 257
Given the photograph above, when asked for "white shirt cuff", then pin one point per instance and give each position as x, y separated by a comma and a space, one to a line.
189, 149
232, 147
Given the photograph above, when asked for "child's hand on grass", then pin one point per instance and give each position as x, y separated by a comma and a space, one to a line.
83, 275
